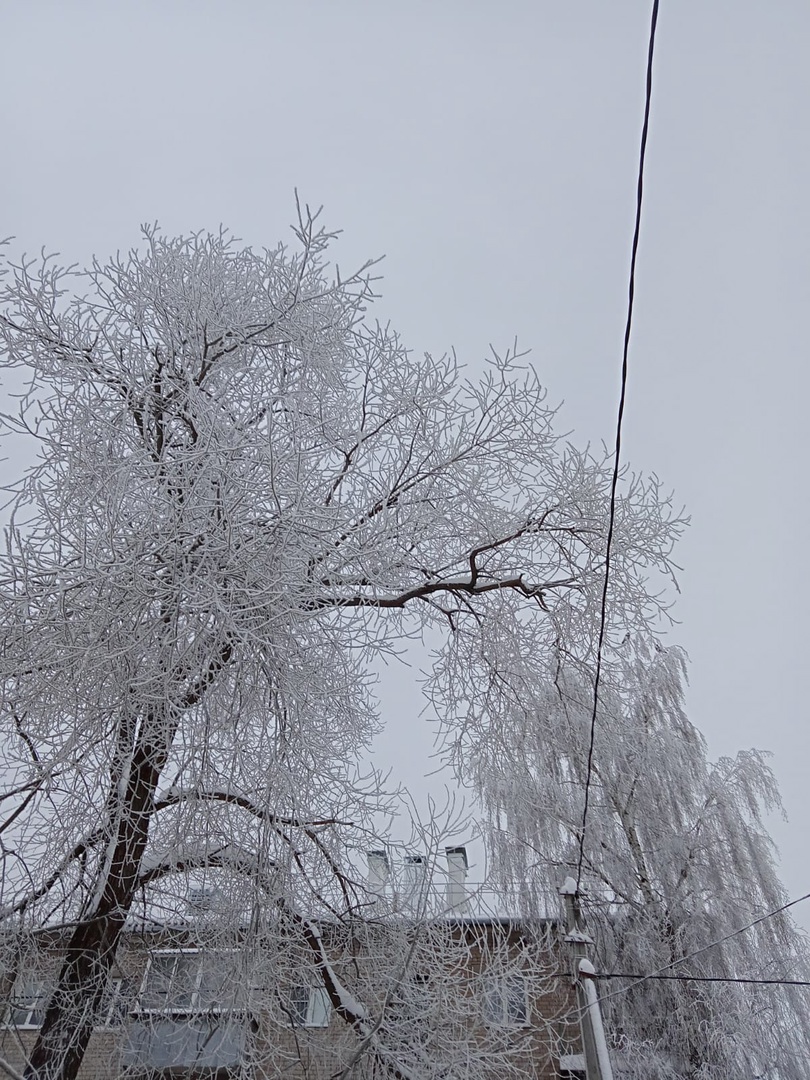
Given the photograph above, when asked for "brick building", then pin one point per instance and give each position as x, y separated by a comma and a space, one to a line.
453, 993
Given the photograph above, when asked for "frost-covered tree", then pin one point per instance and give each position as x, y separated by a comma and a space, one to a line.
676, 856
244, 492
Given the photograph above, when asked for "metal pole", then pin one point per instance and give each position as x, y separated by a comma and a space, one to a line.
594, 1045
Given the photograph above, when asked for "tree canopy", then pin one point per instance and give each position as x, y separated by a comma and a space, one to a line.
244, 490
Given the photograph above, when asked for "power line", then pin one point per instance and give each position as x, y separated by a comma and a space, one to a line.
620, 416
700, 978
720, 941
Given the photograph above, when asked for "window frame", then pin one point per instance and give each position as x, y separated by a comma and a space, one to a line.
193, 1008
310, 1014
38, 1003
106, 1020
500, 989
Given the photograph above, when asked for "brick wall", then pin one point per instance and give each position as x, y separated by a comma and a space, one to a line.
275, 1048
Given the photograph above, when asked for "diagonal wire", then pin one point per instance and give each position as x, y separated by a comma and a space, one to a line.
618, 444
700, 978
659, 972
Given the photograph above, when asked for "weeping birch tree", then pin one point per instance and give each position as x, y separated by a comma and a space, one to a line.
243, 491
676, 857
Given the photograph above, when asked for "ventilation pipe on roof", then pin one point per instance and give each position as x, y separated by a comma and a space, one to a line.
414, 883
457, 900
378, 872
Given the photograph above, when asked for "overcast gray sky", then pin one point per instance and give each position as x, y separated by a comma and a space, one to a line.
488, 150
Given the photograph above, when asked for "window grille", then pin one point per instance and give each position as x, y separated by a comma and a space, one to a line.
506, 1001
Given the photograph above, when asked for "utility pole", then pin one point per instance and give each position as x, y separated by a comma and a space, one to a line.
594, 1043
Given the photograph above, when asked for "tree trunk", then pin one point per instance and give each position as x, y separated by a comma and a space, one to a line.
91, 951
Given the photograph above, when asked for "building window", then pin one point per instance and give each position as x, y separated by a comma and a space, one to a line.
309, 1006
31, 995
190, 1012
184, 981
572, 1067
28, 1003
506, 1001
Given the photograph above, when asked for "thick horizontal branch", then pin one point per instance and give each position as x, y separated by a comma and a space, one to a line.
461, 587
229, 857
176, 798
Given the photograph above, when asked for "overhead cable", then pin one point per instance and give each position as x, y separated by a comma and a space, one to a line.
701, 978
618, 442
720, 941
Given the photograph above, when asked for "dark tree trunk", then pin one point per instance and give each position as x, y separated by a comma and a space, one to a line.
91, 950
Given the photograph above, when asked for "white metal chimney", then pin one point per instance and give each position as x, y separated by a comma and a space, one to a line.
378, 872
414, 883
457, 900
